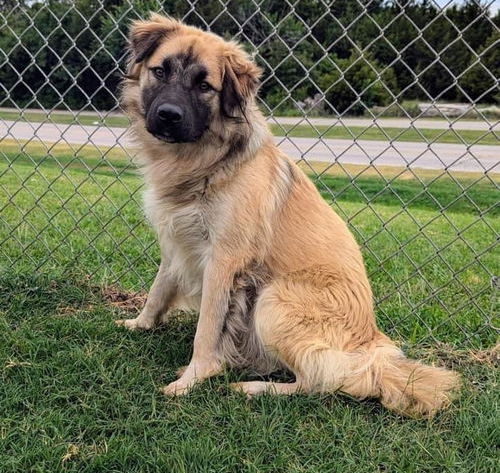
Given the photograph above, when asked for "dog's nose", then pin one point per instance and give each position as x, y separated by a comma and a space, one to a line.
169, 113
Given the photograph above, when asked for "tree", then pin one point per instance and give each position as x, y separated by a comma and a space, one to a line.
480, 82
58, 53
355, 83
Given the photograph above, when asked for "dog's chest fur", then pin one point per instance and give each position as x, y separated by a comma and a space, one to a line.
184, 237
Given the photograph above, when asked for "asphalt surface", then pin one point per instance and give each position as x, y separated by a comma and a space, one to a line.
427, 123
455, 157
397, 122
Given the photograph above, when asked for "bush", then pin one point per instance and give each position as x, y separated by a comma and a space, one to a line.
407, 108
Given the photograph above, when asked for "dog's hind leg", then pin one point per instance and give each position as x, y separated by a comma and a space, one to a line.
327, 337
303, 329
252, 388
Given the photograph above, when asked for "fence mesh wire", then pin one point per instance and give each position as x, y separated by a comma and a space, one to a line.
418, 193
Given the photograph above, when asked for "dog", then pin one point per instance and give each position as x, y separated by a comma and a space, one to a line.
247, 240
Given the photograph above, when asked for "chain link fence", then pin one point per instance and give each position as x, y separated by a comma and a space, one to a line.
357, 92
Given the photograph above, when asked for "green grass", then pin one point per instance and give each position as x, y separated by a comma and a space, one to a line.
304, 130
374, 133
84, 118
79, 395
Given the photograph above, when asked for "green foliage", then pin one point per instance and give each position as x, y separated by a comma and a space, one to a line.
52, 57
479, 83
355, 83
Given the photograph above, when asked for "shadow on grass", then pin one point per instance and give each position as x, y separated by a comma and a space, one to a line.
25, 295
59, 299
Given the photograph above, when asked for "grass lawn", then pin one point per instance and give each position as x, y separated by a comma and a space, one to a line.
303, 130
79, 395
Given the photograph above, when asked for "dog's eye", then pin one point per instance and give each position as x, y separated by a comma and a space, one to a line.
158, 72
205, 86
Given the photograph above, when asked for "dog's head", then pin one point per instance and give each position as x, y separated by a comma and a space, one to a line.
187, 79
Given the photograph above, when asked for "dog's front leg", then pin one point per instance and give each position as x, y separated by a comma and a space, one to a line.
160, 295
205, 362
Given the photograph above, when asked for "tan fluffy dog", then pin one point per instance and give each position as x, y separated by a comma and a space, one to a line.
247, 240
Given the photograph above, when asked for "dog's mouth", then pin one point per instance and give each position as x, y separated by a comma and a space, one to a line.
165, 138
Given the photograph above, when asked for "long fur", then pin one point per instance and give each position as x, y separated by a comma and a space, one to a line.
292, 289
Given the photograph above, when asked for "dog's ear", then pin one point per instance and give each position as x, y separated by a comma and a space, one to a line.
240, 81
144, 38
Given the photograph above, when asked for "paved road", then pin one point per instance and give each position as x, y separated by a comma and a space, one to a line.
436, 124
455, 157
491, 125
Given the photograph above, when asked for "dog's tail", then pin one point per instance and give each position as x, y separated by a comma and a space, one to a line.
382, 371
413, 388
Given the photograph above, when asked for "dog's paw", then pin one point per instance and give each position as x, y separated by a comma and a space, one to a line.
133, 324
177, 388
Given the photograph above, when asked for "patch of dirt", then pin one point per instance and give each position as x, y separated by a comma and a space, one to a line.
452, 357
124, 300
490, 357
